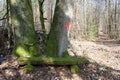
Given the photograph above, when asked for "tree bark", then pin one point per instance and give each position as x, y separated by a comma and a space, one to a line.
115, 20
58, 38
47, 8
23, 28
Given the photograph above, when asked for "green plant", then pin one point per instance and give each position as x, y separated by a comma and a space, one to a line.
74, 69
28, 67
92, 31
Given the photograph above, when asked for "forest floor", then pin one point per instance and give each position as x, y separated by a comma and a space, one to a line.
104, 64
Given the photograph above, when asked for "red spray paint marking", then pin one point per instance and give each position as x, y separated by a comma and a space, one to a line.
67, 25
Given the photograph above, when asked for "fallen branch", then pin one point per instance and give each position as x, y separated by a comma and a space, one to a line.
52, 60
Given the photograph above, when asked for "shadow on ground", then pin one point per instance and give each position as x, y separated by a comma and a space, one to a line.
10, 70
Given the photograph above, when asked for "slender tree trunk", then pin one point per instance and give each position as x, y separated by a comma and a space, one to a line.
115, 14
109, 17
115, 18
23, 26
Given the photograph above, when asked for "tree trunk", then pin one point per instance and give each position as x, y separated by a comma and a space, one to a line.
115, 20
47, 8
57, 41
42, 16
23, 26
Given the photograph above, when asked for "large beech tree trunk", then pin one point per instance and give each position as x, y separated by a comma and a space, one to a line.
23, 28
57, 42
26, 41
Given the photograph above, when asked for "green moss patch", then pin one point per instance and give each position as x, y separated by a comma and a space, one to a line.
52, 60
28, 68
74, 69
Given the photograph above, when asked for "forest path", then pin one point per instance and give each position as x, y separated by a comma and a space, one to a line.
106, 52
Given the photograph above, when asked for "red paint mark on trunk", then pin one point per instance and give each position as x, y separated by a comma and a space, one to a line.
67, 25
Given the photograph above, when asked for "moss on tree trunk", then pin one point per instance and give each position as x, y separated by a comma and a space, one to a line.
57, 42
23, 28
51, 42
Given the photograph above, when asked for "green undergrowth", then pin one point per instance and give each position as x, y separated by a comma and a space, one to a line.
74, 69
28, 67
